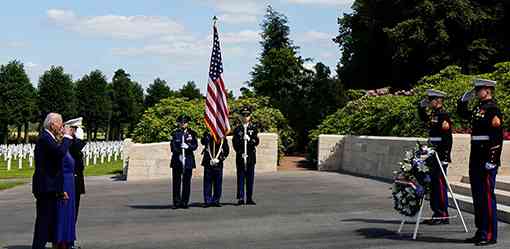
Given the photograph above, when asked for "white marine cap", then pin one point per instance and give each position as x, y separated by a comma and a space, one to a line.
435, 93
484, 82
77, 122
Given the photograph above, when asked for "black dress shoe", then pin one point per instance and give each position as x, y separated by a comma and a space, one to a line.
217, 204
250, 202
240, 202
206, 205
472, 240
184, 206
486, 242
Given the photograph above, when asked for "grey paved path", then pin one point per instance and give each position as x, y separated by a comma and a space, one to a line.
296, 210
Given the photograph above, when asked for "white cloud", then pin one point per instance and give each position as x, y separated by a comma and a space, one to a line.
115, 26
309, 65
315, 36
244, 36
235, 11
31, 65
323, 2
14, 44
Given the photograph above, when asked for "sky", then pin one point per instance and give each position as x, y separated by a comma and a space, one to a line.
157, 38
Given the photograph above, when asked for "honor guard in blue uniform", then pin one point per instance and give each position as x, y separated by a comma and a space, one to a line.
484, 160
439, 126
214, 155
245, 141
183, 145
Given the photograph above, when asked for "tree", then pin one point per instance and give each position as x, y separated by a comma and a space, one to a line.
157, 91
275, 34
17, 99
190, 91
397, 42
56, 93
127, 104
92, 101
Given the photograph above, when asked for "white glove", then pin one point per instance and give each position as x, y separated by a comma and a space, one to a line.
245, 156
467, 96
215, 162
184, 146
79, 134
489, 166
247, 137
424, 103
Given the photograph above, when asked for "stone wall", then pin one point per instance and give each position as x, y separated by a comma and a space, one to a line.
379, 156
152, 161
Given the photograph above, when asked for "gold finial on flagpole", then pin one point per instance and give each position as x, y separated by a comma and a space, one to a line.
215, 19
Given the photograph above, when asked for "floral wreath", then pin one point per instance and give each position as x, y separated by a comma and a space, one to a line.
412, 182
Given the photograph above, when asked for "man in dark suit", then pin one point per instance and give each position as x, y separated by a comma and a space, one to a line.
183, 145
47, 182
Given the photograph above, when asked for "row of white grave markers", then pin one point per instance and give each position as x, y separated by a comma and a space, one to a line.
17, 152
102, 151
93, 151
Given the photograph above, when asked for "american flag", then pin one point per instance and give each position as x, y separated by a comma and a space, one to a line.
216, 108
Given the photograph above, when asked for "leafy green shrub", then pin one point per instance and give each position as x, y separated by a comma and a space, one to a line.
397, 115
158, 122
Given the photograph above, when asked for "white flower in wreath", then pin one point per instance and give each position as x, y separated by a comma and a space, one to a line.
408, 154
398, 195
412, 203
407, 210
423, 168
407, 167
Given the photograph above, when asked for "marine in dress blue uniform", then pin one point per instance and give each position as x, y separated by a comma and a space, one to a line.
182, 164
214, 155
484, 160
439, 127
245, 159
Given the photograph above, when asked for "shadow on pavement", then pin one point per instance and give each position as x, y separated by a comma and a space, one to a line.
151, 207
382, 233
374, 221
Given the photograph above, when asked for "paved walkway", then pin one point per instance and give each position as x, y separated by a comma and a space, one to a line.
295, 210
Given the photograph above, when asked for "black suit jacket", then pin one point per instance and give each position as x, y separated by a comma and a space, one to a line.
48, 176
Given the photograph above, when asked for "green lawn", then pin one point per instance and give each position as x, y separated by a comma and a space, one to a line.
11, 184
114, 167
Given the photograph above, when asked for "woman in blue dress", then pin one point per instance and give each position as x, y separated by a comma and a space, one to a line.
65, 233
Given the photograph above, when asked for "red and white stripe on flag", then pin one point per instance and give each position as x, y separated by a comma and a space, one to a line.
216, 108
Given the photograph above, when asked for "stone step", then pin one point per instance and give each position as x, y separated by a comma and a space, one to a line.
502, 182
466, 204
502, 196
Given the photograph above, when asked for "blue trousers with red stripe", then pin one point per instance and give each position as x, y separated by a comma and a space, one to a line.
439, 192
484, 199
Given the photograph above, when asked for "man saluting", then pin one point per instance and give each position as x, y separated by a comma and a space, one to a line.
439, 125
484, 159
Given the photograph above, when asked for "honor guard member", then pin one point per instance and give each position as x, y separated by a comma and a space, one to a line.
183, 145
214, 155
484, 159
245, 141
439, 126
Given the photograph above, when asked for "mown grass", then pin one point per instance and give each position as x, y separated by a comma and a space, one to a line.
11, 184
20, 176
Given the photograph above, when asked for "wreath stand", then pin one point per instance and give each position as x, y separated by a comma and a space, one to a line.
420, 213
